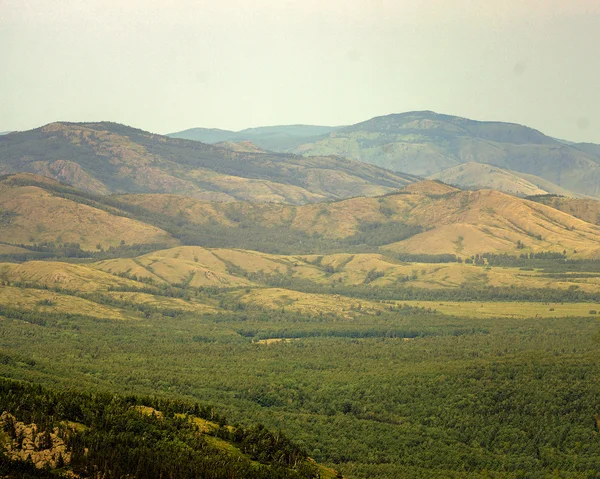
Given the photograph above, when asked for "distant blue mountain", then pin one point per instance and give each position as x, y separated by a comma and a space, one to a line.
276, 138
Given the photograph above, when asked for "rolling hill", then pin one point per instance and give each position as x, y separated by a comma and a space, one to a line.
240, 270
425, 218
108, 158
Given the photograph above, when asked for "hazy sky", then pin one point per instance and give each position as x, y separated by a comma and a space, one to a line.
170, 65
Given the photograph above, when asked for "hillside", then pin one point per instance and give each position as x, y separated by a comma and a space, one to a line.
478, 175
425, 143
31, 212
58, 433
109, 158
425, 218
584, 209
236, 269
591, 148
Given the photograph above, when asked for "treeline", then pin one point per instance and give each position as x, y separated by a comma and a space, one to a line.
52, 250
424, 258
549, 261
406, 293
116, 439
367, 331
40, 318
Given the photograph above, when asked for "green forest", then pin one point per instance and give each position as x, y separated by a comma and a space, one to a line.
408, 393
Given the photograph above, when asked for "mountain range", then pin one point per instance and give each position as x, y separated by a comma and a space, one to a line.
425, 143
110, 158
275, 138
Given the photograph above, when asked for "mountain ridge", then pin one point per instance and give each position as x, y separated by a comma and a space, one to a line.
108, 157
425, 143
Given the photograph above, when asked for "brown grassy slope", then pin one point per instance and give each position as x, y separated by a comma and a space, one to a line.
350, 308
163, 302
192, 265
429, 187
217, 267
478, 175
584, 209
487, 220
68, 276
42, 301
39, 216
490, 221
228, 268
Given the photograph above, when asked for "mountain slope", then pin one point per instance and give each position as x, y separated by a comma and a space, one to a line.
31, 214
249, 271
425, 218
424, 143
584, 209
428, 217
478, 175
110, 158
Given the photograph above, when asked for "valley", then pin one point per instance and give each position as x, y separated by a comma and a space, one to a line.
388, 325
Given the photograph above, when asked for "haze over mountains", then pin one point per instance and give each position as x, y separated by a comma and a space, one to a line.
275, 138
426, 143
110, 158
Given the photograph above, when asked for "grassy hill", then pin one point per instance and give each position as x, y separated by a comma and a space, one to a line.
233, 269
584, 209
32, 212
389, 336
425, 143
425, 218
111, 158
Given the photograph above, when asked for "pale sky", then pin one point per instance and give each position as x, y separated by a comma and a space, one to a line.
165, 66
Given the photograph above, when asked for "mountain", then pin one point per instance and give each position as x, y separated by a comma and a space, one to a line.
363, 328
108, 158
275, 138
478, 175
424, 143
591, 148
